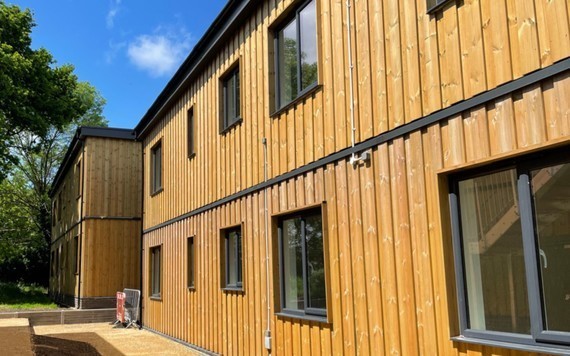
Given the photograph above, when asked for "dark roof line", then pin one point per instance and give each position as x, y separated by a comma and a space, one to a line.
75, 145
222, 27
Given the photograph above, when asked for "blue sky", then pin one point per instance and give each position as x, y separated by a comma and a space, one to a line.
127, 49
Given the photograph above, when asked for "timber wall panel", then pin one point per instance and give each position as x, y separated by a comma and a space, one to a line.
389, 258
407, 64
110, 257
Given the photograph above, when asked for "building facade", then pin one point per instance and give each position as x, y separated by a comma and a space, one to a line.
96, 219
387, 177
362, 177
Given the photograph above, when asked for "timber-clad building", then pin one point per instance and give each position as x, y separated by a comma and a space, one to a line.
96, 218
363, 177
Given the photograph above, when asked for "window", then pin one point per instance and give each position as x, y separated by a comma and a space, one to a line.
230, 99
233, 254
433, 5
155, 266
190, 258
512, 250
53, 212
191, 149
53, 263
302, 264
296, 55
156, 168
78, 179
77, 252
59, 204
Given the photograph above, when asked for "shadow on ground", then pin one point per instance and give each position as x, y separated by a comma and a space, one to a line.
88, 344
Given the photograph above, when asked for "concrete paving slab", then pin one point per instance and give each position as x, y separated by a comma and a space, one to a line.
15, 337
14, 322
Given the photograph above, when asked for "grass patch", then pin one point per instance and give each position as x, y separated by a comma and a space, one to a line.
17, 296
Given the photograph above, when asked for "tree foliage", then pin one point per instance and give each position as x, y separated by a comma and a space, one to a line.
41, 106
35, 94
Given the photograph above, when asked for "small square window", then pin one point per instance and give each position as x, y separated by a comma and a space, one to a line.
232, 240
302, 264
190, 262
156, 168
296, 55
155, 271
230, 96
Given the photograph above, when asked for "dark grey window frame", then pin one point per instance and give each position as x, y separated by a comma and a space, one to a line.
438, 4
319, 314
190, 132
191, 263
230, 81
238, 259
300, 93
538, 337
154, 170
155, 276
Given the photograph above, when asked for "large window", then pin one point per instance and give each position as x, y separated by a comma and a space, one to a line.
230, 99
296, 55
302, 267
156, 168
233, 258
511, 227
190, 261
155, 271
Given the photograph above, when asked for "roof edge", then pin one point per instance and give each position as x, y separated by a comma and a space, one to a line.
220, 29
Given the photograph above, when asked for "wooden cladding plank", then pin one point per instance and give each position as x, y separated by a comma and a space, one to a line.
524, 36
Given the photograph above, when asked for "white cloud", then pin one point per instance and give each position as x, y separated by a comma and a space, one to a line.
161, 52
113, 11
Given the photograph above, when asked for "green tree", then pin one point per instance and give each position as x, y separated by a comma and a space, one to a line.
35, 94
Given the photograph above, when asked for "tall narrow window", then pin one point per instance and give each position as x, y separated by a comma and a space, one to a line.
78, 179
512, 250
156, 168
77, 253
302, 265
296, 55
59, 204
53, 212
233, 258
191, 148
230, 99
155, 271
53, 263
190, 261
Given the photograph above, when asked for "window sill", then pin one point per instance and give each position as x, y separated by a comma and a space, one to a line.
191, 289
316, 318
237, 122
157, 298
160, 190
302, 96
191, 155
555, 350
233, 290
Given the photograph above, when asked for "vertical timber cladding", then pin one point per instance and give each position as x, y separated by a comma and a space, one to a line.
408, 64
389, 246
65, 225
111, 217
